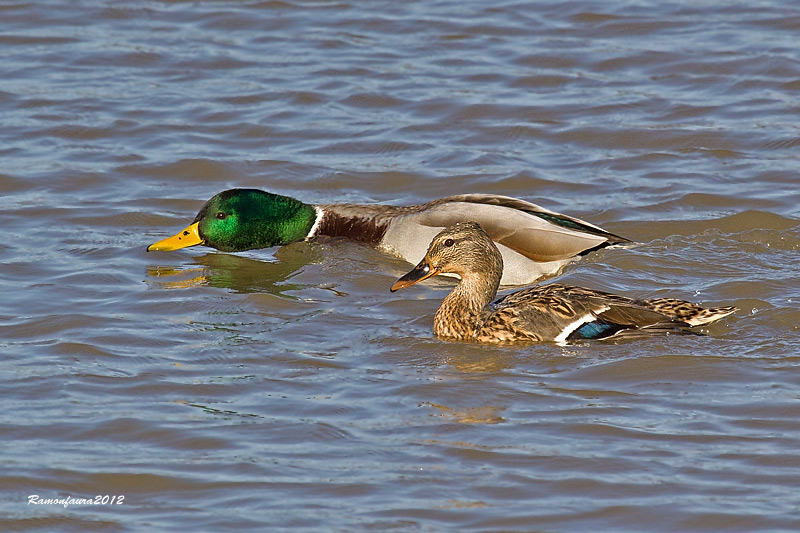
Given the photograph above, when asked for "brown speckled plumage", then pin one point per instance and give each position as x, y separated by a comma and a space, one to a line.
553, 312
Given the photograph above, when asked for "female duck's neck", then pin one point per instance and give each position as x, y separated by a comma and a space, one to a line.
463, 311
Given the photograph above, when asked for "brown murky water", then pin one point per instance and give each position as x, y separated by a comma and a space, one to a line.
288, 389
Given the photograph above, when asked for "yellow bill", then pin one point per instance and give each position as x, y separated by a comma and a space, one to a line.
187, 237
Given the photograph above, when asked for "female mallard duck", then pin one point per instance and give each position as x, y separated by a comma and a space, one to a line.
547, 313
534, 242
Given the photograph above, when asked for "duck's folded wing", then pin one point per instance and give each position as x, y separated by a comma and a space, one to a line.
569, 313
527, 228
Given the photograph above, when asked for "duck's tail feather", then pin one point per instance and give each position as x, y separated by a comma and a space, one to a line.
692, 314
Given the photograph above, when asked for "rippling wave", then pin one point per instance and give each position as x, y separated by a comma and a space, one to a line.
287, 389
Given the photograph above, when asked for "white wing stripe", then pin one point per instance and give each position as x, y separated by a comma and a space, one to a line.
567, 331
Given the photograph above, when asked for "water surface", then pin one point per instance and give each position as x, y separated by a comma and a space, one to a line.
287, 389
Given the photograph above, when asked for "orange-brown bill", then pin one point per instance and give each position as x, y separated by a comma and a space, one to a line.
420, 272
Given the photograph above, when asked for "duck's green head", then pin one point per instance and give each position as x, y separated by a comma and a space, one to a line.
244, 219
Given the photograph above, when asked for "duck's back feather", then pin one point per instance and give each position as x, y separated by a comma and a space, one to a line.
534, 241
530, 208
533, 231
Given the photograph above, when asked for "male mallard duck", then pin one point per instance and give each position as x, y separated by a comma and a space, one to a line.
534, 241
546, 313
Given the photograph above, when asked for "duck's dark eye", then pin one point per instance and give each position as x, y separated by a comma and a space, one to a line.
222, 216
448, 243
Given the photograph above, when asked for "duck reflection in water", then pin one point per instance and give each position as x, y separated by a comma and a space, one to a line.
240, 274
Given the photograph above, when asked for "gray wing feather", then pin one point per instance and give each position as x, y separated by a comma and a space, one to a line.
519, 225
